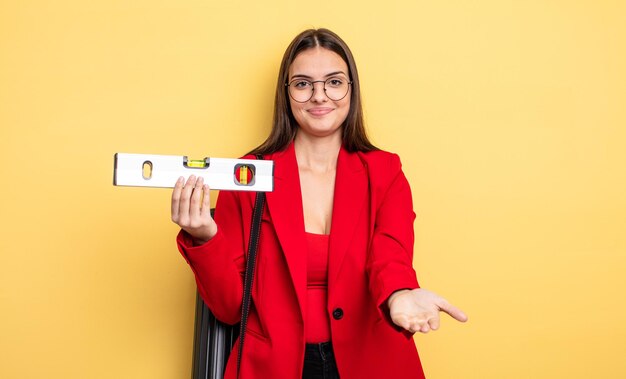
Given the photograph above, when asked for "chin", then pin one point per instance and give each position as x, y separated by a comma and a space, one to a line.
321, 132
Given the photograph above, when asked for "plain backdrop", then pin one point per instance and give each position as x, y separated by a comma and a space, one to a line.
509, 117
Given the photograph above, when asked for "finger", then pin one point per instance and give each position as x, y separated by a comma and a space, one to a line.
453, 311
433, 323
206, 202
196, 199
185, 196
419, 326
402, 322
178, 187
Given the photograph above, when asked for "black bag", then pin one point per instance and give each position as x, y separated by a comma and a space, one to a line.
214, 340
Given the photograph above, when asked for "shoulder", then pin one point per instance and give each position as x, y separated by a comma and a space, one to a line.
381, 162
248, 156
269, 156
384, 171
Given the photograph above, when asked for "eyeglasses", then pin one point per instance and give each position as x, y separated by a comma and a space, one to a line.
301, 90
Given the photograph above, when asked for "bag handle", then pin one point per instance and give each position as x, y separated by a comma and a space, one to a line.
253, 245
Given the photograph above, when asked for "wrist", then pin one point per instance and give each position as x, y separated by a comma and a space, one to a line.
199, 241
395, 294
199, 237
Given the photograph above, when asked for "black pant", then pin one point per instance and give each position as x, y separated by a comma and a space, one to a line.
319, 362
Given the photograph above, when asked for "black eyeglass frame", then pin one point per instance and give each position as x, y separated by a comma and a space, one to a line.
313, 89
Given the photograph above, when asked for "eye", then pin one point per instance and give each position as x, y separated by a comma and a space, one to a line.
335, 82
301, 84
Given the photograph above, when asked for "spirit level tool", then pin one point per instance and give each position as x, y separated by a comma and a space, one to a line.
143, 170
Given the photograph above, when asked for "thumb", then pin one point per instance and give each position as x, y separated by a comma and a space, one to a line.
453, 311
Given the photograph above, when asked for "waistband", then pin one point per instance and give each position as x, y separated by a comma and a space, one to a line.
322, 349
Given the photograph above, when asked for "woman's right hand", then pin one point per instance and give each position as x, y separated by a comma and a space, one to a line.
191, 209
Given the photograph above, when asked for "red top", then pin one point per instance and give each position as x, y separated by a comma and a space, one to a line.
317, 325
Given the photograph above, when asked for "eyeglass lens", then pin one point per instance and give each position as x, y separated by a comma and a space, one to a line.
301, 90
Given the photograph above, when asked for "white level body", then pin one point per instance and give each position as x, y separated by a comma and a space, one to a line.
145, 170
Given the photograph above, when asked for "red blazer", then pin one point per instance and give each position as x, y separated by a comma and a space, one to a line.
371, 250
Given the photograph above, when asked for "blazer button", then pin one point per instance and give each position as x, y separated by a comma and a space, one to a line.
337, 313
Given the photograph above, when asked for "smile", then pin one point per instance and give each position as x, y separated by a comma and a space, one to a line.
319, 111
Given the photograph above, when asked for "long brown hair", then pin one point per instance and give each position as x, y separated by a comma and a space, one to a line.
284, 126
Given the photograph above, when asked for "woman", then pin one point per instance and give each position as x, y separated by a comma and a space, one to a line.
335, 291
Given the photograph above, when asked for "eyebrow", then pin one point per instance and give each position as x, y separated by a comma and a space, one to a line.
326, 76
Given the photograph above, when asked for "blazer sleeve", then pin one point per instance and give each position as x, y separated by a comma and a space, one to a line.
218, 265
390, 259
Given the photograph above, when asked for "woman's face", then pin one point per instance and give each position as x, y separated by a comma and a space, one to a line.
320, 116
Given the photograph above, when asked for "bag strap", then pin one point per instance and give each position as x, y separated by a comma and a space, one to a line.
250, 265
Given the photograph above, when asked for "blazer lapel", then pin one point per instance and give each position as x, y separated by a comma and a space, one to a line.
285, 208
351, 192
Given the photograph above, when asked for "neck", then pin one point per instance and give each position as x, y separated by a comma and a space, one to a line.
317, 153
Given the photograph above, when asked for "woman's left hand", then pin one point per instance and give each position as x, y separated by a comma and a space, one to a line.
418, 310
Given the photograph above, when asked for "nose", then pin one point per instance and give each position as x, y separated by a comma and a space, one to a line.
319, 92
